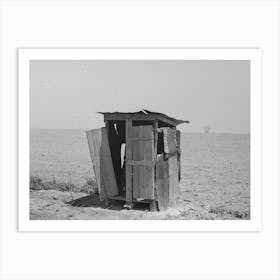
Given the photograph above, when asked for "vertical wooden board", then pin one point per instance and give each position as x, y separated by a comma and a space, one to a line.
162, 183
135, 181
155, 137
107, 127
146, 182
106, 164
102, 162
178, 139
143, 149
128, 155
94, 142
173, 180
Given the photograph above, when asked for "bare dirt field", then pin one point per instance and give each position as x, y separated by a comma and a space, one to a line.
215, 179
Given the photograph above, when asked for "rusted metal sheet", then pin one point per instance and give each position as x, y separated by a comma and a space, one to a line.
102, 162
176, 121
143, 114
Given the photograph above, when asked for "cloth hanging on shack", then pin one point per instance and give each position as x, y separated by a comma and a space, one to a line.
170, 145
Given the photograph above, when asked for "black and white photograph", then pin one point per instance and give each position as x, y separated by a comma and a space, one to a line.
140, 139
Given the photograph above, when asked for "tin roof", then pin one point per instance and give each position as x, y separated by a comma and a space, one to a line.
147, 112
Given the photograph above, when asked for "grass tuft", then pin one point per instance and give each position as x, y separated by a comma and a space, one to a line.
221, 211
37, 183
90, 187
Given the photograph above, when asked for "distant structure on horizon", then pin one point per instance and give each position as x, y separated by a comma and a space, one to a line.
207, 129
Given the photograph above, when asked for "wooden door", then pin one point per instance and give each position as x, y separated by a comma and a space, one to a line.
142, 145
102, 162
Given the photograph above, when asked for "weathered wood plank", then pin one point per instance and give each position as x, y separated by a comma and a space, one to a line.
102, 162
173, 180
155, 138
143, 151
145, 173
107, 128
128, 154
141, 139
162, 183
107, 170
141, 162
155, 153
178, 140
94, 142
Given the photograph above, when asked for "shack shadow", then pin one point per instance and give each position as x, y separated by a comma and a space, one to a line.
94, 201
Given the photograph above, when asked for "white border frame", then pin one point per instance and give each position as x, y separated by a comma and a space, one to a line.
254, 55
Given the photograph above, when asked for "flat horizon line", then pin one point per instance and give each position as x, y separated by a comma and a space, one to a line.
188, 132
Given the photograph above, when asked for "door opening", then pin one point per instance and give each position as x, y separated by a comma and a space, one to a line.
116, 136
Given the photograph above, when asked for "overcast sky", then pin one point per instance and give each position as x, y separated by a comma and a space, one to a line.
67, 94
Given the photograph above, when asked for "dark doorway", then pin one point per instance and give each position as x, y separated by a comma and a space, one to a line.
116, 135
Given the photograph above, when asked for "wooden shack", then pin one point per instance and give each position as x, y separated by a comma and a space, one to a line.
136, 157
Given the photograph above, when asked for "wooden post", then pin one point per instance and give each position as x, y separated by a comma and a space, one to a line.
128, 157
155, 158
173, 180
178, 140
155, 137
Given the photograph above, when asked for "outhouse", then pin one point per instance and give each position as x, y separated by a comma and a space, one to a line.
136, 157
